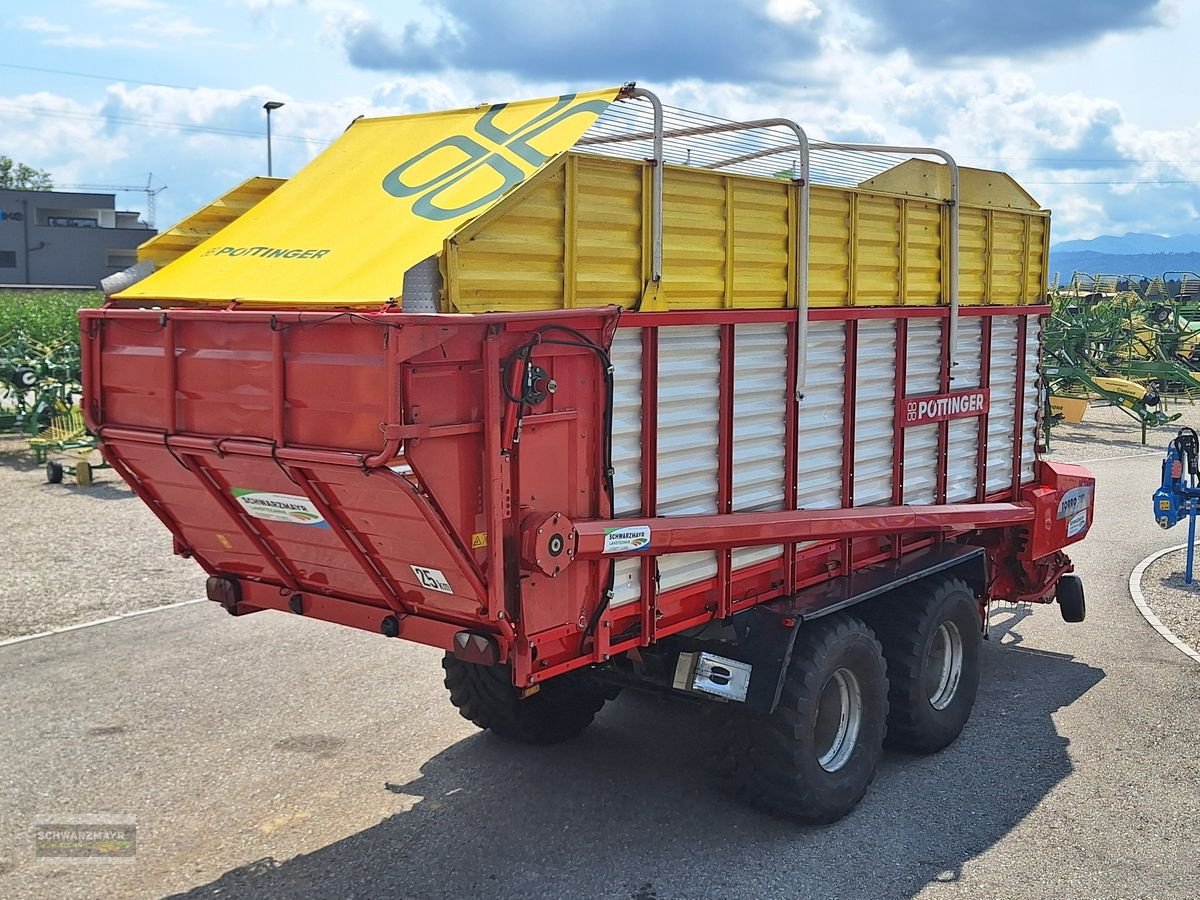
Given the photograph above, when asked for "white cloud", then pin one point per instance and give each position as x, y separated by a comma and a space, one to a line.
171, 27
416, 94
265, 6
96, 42
118, 6
53, 132
793, 12
37, 23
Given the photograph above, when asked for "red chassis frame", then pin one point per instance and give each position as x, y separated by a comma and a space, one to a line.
400, 432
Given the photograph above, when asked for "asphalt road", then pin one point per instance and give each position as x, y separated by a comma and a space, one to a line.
276, 757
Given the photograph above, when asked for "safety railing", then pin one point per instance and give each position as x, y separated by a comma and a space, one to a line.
662, 134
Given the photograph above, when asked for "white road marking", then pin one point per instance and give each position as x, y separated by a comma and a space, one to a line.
1100, 459
1135, 591
129, 615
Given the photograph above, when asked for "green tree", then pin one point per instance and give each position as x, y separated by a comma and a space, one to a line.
17, 176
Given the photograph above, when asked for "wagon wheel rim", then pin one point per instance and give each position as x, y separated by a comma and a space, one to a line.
944, 665
838, 720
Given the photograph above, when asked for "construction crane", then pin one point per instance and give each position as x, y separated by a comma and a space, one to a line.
150, 192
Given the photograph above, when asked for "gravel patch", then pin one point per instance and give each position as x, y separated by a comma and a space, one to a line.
70, 554
1108, 432
1176, 604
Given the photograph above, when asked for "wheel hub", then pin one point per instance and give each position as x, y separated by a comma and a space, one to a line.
839, 720
944, 665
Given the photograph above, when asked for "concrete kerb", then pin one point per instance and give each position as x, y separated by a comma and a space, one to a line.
1139, 600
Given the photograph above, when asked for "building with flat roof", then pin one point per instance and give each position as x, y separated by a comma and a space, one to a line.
58, 237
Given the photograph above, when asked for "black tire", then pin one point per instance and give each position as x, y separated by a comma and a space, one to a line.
775, 761
54, 472
1071, 603
932, 639
24, 378
559, 711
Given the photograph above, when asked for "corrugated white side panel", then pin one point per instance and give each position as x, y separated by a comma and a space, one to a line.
819, 444
962, 439
1001, 421
1032, 399
688, 390
626, 356
875, 403
759, 427
688, 403
923, 376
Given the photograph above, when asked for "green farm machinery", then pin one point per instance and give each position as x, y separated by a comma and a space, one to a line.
1123, 341
37, 382
39, 389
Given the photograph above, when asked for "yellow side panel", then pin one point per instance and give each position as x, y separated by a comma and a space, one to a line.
1037, 273
572, 237
516, 261
828, 247
1008, 254
922, 253
877, 251
977, 187
577, 234
972, 256
694, 239
382, 198
611, 256
761, 262
170, 244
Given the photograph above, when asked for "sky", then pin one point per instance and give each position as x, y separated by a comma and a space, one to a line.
1088, 103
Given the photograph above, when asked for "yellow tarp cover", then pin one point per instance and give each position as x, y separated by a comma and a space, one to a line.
382, 198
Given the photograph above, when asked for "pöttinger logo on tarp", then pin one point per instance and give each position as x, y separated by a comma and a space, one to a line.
506, 152
266, 252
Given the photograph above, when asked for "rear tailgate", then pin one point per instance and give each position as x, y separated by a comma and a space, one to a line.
348, 466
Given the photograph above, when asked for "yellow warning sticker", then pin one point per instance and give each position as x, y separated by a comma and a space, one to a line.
478, 540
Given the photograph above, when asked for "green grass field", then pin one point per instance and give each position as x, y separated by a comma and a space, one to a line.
44, 316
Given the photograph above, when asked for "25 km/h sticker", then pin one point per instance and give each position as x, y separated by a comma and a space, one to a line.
434, 579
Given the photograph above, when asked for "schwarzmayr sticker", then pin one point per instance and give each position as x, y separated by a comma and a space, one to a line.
627, 540
279, 507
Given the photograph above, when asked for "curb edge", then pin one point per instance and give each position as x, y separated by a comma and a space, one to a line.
1139, 600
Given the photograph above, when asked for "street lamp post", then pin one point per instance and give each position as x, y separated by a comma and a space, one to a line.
268, 106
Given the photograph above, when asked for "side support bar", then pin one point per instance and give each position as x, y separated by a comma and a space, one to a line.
656, 180
679, 534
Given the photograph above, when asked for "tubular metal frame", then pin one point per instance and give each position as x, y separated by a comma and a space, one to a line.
804, 178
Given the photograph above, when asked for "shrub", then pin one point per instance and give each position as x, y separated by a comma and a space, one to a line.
44, 316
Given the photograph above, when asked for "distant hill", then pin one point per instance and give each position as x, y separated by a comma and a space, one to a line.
1132, 243
1092, 262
